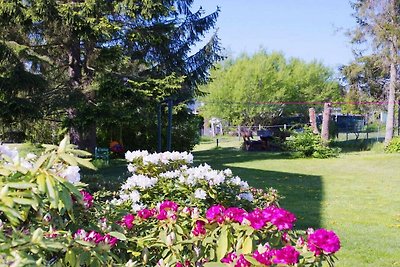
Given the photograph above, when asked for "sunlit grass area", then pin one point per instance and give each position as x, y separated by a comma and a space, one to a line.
356, 194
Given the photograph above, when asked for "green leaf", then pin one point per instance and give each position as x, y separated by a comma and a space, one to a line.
63, 144
40, 162
85, 243
66, 199
52, 191
247, 245
85, 163
20, 185
25, 201
222, 243
41, 181
70, 160
118, 235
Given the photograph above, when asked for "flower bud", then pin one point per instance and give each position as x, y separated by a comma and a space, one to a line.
170, 239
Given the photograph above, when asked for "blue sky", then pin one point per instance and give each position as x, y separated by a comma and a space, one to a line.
306, 29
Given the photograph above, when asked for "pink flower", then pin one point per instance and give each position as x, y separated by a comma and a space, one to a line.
256, 219
235, 214
242, 262
229, 258
215, 214
199, 229
127, 221
178, 264
167, 210
287, 255
87, 199
168, 205
281, 218
264, 256
145, 213
110, 240
323, 241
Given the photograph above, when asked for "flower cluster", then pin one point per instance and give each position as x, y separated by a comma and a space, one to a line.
11, 157
323, 241
258, 218
287, 255
158, 158
151, 173
95, 238
87, 199
240, 261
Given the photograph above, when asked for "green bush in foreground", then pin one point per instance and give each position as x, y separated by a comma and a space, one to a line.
167, 213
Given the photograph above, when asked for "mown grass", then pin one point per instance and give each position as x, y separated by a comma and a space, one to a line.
356, 194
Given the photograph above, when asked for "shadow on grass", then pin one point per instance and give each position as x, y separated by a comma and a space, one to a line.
303, 193
359, 145
220, 156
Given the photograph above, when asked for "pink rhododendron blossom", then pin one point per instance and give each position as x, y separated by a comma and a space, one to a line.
167, 210
323, 241
95, 237
256, 219
235, 214
87, 199
287, 255
127, 221
215, 214
242, 262
168, 205
263, 255
281, 218
199, 228
145, 213
229, 258
178, 264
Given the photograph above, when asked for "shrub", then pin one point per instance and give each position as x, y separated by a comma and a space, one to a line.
393, 146
167, 213
307, 144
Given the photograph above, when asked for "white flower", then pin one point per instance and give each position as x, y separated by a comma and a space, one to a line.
134, 196
131, 168
247, 196
30, 156
71, 174
200, 194
11, 153
195, 213
141, 181
228, 172
236, 180
136, 207
131, 156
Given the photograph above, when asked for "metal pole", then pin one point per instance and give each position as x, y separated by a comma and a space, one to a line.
169, 130
159, 127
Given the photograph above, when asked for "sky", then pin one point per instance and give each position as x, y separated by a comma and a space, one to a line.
306, 29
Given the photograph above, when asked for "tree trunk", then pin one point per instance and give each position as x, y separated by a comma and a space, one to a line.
313, 120
325, 122
391, 93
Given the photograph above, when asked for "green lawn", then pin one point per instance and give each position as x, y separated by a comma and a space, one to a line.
356, 194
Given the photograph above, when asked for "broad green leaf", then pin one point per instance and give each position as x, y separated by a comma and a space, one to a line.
40, 162
118, 235
247, 245
20, 185
41, 181
52, 191
63, 144
4, 191
253, 261
70, 258
12, 215
4, 172
222, 243
65, 197
84, 243
8, 201
25, 201
85, 163
68, 159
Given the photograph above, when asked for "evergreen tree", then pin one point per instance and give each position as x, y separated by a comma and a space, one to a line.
141, 46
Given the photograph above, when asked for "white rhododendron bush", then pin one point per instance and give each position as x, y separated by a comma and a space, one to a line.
166, 213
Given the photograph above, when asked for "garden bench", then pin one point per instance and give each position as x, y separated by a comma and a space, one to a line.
102, 153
